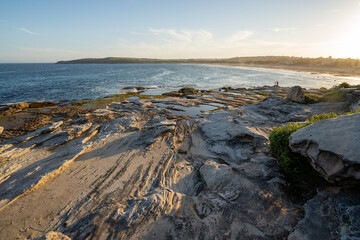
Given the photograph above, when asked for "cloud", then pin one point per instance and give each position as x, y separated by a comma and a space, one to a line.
239, 35
194, 37
279, 29
25, 30
334, 10
47, 50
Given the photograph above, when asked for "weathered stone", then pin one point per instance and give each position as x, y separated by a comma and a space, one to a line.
332, 214
215, 175
1, 129
352, 102
296, 94
56, 236
132, 171
332, 145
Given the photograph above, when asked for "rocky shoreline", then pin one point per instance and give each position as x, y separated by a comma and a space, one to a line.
189, 164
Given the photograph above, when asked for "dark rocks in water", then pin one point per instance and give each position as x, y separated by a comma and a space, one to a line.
296, 94
333, 147
188, 91
136, 88
172, 94
182, 92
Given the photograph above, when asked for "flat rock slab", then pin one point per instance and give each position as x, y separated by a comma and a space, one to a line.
333, 147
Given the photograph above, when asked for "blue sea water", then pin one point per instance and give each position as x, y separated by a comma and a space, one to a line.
53, 82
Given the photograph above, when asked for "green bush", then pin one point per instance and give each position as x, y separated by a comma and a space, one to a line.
345, 85
312, 98
334, 96
296, 167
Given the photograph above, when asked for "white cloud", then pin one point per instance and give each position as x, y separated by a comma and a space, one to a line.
239, 35
334, 10
359, 3
193, 37
26, 30
279, 29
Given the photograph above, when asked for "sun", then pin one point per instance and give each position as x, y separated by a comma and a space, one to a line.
350, 43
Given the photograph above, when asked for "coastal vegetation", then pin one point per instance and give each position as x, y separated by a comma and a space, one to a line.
338, 66
334, 94
296, 167
283, 60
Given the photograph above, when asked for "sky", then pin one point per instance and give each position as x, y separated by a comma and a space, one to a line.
49, 30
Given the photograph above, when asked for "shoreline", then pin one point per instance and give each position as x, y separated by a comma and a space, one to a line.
341, 72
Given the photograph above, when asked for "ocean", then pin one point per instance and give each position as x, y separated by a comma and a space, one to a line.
54, 82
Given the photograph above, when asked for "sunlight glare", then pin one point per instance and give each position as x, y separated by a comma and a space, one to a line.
350, 45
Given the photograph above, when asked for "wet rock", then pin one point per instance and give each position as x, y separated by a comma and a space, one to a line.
136, 88
333, 147
296, 94
182, 92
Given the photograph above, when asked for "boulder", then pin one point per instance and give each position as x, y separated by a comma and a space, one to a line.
188, 91
1, 129
296, 94
332, 146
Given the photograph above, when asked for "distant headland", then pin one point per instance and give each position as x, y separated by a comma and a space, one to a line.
337, 66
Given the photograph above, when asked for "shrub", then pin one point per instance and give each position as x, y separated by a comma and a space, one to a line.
296, 167
334, 96
344, 85
312, 98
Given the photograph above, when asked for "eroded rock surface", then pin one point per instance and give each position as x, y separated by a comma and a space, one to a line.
332, 145
332, 214
136, 170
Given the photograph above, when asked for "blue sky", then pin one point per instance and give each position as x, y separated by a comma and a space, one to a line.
49, 30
